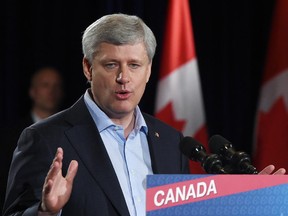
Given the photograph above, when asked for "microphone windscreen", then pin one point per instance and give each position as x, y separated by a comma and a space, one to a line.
188, 145
216, 143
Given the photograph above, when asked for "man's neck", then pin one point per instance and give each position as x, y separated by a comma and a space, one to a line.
42, 114
128, 123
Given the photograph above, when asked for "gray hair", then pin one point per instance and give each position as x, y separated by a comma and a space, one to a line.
117, 29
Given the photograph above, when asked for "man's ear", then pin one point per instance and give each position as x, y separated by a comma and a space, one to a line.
87, 69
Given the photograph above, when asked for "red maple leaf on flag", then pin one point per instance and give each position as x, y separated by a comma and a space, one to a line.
167, 113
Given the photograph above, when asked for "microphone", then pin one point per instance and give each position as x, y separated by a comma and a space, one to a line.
240, 161
195, 151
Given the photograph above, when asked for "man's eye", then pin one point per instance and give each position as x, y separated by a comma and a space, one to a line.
110, 65
134, 66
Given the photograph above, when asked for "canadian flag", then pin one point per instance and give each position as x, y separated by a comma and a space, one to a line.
272, 117
179, 98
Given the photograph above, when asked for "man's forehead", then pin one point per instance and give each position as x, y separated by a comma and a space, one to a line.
110, 50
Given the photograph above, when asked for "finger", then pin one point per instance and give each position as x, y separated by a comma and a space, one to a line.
72, 171
56, 164
280, 171
267, 170
59, 156
47, 187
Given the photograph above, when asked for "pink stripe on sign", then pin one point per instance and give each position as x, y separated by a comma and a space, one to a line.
208, 188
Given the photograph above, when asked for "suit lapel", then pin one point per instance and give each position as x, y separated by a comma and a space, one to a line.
88, 144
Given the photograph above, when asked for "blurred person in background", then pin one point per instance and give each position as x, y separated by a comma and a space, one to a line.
46, 93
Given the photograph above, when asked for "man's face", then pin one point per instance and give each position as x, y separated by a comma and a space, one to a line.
46, 90
118, 76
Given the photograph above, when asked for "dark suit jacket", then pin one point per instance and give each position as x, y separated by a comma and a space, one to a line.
96, 190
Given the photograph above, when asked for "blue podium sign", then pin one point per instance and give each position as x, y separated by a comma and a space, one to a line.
223, 195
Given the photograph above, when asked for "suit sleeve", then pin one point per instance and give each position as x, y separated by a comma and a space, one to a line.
30, 164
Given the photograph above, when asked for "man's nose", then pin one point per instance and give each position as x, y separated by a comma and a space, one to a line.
123, 77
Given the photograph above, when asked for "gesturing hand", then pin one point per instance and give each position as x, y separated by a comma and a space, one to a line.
269, 170
57, 189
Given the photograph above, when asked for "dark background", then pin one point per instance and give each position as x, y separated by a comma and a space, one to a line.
230, 37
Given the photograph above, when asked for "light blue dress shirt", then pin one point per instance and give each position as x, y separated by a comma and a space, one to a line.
130, 157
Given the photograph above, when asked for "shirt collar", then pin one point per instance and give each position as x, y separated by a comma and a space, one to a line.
103, 122
35, 117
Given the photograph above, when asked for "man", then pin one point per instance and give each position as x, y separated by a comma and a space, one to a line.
104, 145
109, 141
46, 93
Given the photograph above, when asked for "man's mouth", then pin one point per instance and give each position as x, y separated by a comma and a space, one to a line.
122, 95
